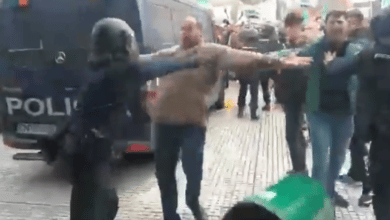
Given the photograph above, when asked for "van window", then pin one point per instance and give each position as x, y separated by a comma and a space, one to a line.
178, 19
61, 24
158, 27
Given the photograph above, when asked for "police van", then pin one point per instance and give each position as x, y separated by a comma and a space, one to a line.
44, 47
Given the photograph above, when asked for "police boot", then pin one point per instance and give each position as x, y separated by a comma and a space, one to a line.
112, 203
241, 112
253, 114
106, 204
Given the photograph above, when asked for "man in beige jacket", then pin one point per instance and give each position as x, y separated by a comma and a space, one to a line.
179, 111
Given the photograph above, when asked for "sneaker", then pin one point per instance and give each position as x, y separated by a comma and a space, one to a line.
340, 201
365, 200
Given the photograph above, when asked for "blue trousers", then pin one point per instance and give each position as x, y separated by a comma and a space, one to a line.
168, 140
330, 136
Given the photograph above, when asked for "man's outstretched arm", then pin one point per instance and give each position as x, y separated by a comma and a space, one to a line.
246, 61
151, 67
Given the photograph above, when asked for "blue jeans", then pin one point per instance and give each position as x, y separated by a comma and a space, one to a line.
330, 136
169, 139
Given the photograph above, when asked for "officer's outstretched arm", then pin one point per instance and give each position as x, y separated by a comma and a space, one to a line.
156, 67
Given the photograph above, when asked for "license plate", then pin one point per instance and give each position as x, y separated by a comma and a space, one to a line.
36, 129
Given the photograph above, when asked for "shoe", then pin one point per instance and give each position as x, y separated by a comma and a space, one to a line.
253, 114
200, 214
198, 211
255, 117
340, 201
240, 112
267, 108
365, 200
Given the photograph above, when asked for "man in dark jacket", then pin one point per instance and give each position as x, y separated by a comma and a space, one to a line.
290, 89
269, 41
358, 172
115, 78
248, 37
373, 107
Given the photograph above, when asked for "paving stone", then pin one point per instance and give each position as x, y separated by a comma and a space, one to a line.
242, 157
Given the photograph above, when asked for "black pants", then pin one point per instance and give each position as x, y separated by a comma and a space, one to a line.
380, 176
358, 170
254, 90
294, 135
264, 87
92, 198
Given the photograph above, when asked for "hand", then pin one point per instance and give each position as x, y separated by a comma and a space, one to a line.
293, 61
329, 56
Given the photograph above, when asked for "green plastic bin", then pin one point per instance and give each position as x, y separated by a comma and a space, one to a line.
296, 197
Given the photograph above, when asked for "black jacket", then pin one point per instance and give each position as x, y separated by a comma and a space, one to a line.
373, 98
291, 84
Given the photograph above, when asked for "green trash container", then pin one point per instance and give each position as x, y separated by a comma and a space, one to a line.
296, 197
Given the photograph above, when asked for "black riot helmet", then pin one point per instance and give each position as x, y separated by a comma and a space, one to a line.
379, 27
112, 40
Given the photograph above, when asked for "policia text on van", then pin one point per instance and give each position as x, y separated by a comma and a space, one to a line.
35, 103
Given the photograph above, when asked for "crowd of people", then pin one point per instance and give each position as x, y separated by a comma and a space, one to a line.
326, 96
331, 76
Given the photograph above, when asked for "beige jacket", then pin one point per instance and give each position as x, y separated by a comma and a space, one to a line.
181, 96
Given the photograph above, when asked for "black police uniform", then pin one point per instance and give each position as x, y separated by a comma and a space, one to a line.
373, 112
249, 37
114, 83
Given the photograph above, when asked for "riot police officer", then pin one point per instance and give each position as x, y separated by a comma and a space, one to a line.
373, 112
115, 80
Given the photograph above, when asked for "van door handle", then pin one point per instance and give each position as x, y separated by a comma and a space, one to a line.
27, 49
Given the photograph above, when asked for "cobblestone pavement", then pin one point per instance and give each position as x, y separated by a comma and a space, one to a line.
242, 157
32, 190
